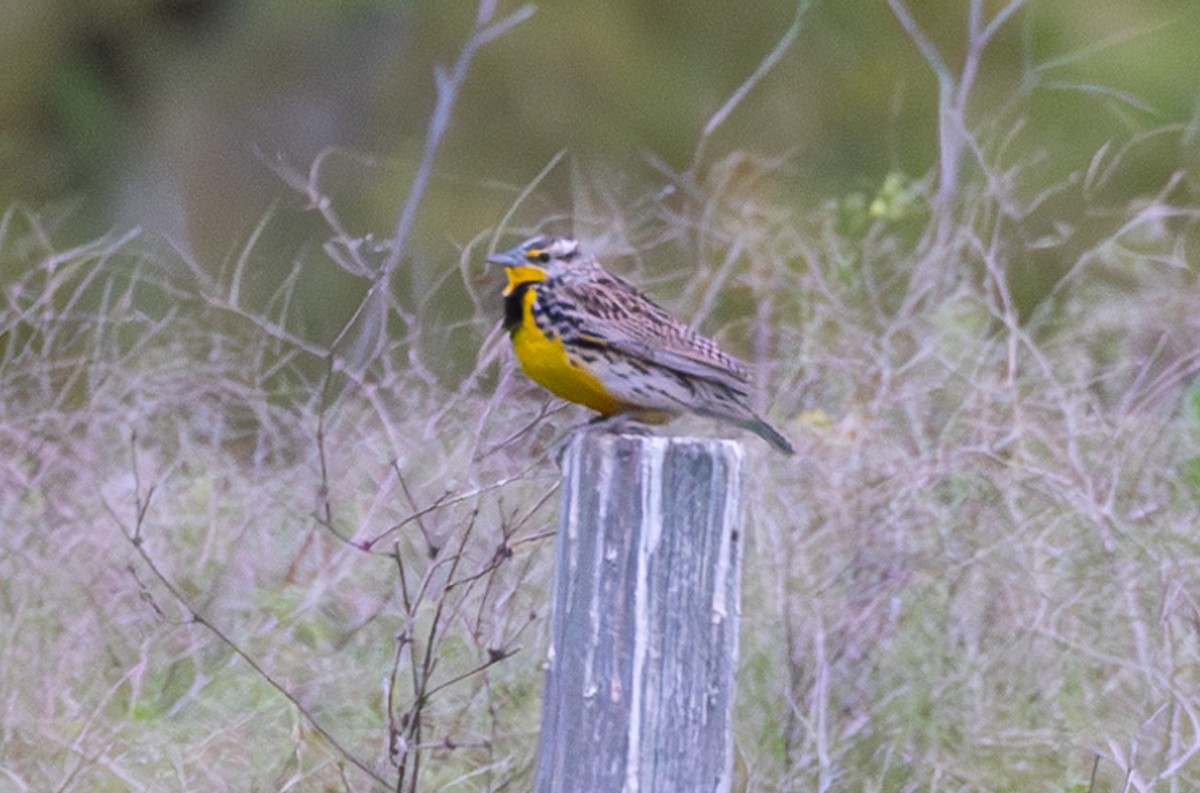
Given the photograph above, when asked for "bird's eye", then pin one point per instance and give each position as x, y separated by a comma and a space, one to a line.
543, 257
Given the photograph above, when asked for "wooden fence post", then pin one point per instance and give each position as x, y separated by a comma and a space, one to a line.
639, 682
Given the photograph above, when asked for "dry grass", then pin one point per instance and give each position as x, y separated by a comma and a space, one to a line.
213, 578
987, 584
226, 568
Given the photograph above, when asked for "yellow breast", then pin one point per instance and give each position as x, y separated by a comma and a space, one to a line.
547, 362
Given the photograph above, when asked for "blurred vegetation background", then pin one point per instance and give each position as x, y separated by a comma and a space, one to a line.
231, 507
166, 114
179, 117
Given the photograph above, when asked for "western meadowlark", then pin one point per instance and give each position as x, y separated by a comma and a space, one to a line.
592, 338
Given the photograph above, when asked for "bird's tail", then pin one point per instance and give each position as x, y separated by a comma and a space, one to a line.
759, 427
771, 435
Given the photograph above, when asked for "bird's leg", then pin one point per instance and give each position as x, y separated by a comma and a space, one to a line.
617, 423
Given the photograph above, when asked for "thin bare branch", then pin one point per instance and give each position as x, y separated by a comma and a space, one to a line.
764, 68
137, 539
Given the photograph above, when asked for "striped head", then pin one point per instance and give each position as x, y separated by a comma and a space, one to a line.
537, 259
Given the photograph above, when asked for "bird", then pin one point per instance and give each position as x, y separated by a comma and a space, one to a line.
592, 338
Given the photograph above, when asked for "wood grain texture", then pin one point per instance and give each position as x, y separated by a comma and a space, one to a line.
639, 682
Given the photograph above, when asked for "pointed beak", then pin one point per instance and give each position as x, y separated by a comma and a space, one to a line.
510, 258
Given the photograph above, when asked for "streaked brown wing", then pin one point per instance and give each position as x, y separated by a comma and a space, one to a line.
609, 311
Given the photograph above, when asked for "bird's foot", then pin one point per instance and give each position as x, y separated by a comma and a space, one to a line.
617, 424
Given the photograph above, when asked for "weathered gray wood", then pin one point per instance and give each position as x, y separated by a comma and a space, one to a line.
639, 684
